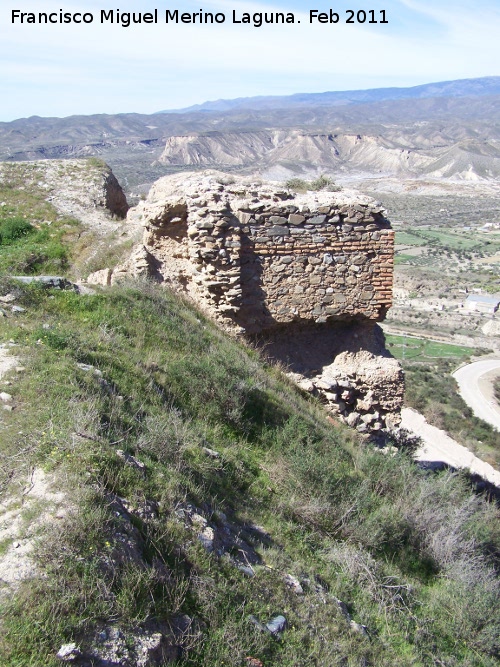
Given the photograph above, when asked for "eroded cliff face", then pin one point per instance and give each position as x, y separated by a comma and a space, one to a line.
84, 189
296, 272
224, 149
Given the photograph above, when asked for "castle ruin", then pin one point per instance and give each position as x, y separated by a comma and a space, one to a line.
307, 275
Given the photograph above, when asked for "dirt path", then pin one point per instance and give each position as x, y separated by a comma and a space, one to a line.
475, 382
439, 447
7, 361
23, 516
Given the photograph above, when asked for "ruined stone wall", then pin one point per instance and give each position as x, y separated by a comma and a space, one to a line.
261, 256
278, 263
310, 274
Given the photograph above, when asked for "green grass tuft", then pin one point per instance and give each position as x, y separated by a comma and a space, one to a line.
13, 229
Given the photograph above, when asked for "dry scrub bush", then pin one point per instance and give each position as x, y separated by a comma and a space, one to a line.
442, 518
361, 569
165, 436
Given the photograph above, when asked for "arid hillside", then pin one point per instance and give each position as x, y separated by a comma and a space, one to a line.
446, 130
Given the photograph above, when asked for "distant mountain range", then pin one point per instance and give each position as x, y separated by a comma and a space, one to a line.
460, 88
445, 130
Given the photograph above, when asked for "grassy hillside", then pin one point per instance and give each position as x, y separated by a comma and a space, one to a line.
219, 441
33, 237
187, 491
37, 238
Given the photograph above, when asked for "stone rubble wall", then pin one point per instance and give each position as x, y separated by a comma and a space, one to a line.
366, 390
275, 263
345, 365
261, 256
265, 261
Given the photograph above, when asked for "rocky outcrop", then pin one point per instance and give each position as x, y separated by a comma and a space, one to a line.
295, 271
491, 328
114, 197
344, 364
82, 189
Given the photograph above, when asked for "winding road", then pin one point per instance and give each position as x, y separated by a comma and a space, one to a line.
475, 382
437, 448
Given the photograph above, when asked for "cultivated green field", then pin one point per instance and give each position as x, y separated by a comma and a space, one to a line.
408, 347
407, 238
454, 241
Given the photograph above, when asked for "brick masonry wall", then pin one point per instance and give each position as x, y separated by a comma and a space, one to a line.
267, 263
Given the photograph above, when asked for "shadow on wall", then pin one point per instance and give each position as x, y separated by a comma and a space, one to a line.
308, 348
253, 314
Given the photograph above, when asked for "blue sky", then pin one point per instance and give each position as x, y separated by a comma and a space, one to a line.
59, 70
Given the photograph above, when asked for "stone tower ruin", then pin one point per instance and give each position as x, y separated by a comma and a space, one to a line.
308, 276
